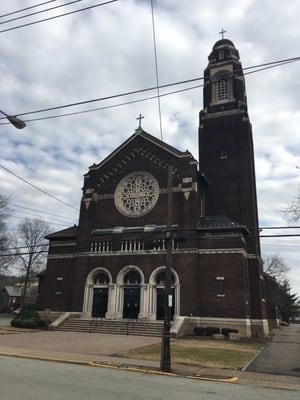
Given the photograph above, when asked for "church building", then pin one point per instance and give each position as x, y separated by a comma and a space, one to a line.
111, 266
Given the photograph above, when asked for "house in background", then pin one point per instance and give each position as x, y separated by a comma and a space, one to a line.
10, 298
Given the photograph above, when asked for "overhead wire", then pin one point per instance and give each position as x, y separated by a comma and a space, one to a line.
43, 221
58, 16
79, 242
185, 238
258, 68
39, 12
36, 215
156, 69
26, 8
38, 188
39, 211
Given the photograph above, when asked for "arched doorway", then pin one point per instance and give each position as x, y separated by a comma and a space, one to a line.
97, 293
160, 295
157, 283
132, 294
100, 295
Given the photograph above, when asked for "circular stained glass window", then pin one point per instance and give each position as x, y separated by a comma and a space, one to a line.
136, 194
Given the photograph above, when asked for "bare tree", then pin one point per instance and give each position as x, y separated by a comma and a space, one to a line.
5, 238
31, 248
275, 266
292, 211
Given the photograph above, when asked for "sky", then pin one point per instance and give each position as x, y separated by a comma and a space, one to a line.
109, 50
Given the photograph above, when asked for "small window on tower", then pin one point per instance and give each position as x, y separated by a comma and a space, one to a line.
220, 286
222, 90
221, 55
223, 153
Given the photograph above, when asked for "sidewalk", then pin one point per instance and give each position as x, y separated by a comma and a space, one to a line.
281, 355
98, 350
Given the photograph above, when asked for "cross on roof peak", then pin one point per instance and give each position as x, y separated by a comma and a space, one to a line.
140, 117
222, 33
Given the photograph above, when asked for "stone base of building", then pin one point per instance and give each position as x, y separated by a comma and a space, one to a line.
245, 327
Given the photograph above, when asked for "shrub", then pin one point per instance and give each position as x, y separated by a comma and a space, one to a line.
226, 331
212, 330
199, 331
28, 318
24, 323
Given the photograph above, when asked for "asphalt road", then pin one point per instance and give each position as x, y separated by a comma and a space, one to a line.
281, 355
38, 380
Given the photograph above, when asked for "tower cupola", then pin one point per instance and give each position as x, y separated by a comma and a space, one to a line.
224, 87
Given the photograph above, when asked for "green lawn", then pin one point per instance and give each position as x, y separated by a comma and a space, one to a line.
204, 352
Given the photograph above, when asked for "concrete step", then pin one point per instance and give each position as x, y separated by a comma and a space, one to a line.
141, 328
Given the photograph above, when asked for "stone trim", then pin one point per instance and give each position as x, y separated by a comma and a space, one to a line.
60, 256
161, 145
62, 244
153, 253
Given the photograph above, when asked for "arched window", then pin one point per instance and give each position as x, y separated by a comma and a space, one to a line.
100, 278
161, 279
222, 90
132, 278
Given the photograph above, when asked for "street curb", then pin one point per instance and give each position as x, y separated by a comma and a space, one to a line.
252, 359
41, 358
118, 367
232, 379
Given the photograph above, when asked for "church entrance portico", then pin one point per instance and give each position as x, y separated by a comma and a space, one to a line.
97, 294
129, 294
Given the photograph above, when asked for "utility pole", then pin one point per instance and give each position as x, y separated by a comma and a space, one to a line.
165, 357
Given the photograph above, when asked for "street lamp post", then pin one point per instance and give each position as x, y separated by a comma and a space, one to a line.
165, 358
15, 121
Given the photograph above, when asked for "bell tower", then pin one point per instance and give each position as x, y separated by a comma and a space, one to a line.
226, 155
225, 141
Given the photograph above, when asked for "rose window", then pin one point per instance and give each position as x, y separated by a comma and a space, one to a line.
136, 194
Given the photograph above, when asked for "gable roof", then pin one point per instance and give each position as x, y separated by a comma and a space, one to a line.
152, 139
64, 233
13, 291
219, 223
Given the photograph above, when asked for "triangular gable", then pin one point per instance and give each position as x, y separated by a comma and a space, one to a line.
157, 142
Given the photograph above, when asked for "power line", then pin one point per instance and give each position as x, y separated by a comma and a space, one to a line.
105, 107
43, 221
156, 69
87, 224
37, 216
272, 64
147, 239
39, 12
37, 188
39, 211
27, 8
58, 16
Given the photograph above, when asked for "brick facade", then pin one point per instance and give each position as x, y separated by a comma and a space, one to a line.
216, 254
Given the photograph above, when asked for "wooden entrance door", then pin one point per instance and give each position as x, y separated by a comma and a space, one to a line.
100, 299
131, 307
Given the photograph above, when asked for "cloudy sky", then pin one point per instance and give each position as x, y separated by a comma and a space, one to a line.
109, 50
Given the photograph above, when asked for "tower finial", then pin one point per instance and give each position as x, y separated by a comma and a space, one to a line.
140, 117
222, 33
